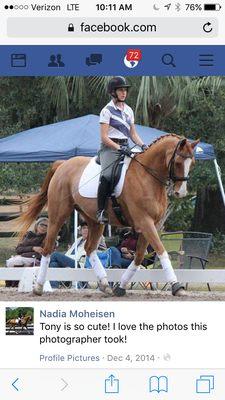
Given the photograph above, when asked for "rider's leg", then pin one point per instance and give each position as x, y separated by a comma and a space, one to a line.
108, 157
103, 193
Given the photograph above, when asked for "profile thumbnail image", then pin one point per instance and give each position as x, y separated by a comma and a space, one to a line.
144, 204
19, 321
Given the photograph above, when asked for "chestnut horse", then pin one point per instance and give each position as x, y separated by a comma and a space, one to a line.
143, 201
14, 322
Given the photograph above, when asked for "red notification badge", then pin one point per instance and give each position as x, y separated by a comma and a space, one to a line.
134, 55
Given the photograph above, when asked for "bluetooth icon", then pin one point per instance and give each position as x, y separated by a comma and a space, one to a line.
178, 7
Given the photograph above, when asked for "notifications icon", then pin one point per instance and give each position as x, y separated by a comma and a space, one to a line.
168, 59
132, 58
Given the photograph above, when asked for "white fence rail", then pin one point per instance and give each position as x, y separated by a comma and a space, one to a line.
114, 275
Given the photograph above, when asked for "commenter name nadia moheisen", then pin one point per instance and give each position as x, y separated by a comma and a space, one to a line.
76, 314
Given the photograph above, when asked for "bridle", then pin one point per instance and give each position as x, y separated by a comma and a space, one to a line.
172, 177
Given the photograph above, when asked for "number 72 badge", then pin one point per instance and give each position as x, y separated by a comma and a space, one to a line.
132, 58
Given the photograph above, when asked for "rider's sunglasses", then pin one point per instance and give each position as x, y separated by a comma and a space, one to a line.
43, 225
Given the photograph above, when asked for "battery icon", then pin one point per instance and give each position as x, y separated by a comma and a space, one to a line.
212, 7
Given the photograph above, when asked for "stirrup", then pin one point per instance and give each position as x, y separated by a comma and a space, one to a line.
102, 217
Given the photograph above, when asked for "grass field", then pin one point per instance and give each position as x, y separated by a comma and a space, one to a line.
7, 248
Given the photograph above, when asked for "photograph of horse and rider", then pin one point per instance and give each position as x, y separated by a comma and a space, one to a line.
19, 321
144, 153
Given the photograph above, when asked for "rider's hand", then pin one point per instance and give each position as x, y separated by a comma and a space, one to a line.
144, 147
38, 249
126, 151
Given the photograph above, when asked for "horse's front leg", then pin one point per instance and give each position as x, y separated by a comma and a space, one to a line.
147, 227
150, 232
134, 266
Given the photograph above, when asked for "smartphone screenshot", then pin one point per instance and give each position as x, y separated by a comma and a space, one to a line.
112, 201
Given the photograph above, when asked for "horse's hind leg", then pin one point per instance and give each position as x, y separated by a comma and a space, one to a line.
95, 232
133, 267
59, 211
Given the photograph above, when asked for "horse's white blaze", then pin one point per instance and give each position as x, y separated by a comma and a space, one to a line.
43, 269
167, 267
183, 189
97, 265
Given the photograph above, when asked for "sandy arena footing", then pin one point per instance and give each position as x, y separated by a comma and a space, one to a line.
9, 294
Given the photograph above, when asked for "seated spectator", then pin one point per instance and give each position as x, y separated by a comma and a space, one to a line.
30, 249
127, 247
59, 260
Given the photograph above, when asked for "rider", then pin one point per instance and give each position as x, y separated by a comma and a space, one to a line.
20, 317
117, 126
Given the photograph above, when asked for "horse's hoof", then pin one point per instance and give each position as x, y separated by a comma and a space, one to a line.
118, 291
178, 289
38, 289
103, 285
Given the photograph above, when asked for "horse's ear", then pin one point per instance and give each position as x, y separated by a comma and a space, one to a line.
182, 143
193, 144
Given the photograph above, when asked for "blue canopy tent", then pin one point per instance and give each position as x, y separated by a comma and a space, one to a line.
75, 137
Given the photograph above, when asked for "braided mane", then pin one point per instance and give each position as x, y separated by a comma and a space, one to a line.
163, 137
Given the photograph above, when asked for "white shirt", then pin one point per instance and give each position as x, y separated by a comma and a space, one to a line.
80, 248
119, 120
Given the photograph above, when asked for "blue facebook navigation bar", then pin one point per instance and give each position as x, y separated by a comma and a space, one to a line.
112, 60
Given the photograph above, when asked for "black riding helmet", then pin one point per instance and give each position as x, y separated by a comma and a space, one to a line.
116, 83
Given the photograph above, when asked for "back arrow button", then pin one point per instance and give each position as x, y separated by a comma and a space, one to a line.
14, 384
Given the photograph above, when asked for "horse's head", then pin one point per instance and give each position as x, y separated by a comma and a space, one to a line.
179, 161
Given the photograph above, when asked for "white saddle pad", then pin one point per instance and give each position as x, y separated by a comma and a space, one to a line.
89, 180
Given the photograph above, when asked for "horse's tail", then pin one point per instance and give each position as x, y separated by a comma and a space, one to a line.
36, 203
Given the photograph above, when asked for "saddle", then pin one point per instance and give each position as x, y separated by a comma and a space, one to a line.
89, 181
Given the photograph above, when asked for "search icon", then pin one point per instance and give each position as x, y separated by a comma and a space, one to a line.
168, 59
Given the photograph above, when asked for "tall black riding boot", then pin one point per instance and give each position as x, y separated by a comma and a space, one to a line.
103, 193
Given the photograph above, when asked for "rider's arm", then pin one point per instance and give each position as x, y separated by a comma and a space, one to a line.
134, 136
105, 138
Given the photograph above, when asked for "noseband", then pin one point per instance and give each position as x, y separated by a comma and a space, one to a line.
172, 176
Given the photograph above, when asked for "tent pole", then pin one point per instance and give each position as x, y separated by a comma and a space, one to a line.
110, 230
218, 173
74, 283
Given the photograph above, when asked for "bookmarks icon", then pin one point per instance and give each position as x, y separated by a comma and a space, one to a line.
158, 384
